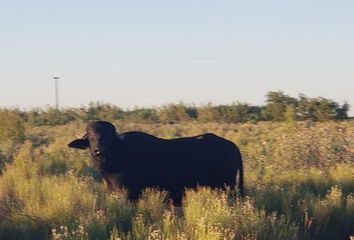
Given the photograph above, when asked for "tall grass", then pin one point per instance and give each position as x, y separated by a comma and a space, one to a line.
299, 181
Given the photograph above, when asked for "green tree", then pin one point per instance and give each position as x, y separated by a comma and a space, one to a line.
103, 111
325, 109
240, 112
12, 127
142, 115
12, 133
207, 113
277, 103
303, 107
174, 113
290, 116
342, 111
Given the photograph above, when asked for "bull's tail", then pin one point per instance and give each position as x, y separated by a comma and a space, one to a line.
240, 177
240, 172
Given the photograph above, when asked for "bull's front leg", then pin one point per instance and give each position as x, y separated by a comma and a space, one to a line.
134, 193
113, 181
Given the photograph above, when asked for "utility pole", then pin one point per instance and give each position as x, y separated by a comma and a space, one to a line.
56, 83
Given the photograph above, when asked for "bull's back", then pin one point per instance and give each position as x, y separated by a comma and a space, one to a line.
197, 151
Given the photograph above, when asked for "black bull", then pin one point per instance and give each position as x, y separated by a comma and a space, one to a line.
137, 160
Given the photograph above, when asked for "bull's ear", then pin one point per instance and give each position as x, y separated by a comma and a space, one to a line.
82, 143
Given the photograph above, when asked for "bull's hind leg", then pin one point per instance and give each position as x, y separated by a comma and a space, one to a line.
133, 194
230, 185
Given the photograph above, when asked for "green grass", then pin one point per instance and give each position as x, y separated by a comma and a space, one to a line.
299, 183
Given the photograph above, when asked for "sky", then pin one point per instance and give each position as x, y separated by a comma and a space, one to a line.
149, 53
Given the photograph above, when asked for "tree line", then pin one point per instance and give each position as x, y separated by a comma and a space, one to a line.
278, 107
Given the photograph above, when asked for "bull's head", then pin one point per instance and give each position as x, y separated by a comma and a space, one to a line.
99, 138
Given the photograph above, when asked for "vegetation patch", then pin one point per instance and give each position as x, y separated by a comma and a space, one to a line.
299, 182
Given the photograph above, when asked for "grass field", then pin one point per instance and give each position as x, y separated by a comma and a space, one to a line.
299, 180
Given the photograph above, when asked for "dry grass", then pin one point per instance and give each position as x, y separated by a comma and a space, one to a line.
299, 186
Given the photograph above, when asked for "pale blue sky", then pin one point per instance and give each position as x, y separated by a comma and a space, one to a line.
145, 53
